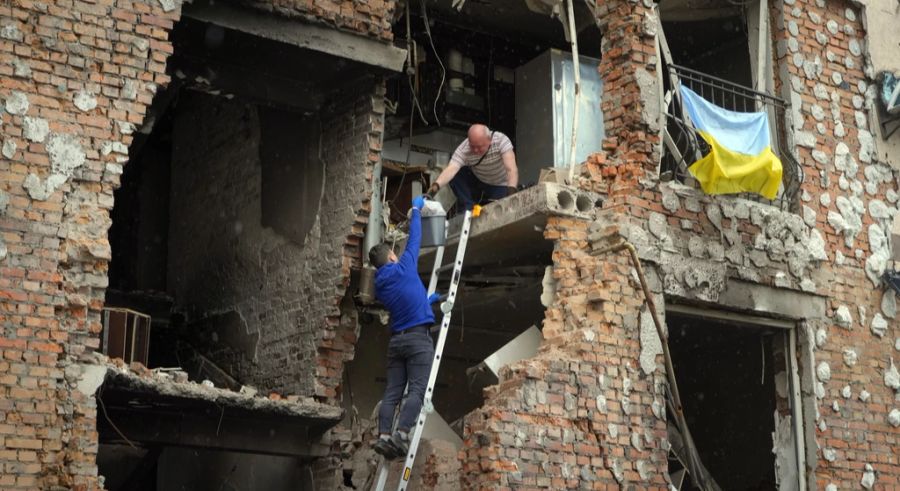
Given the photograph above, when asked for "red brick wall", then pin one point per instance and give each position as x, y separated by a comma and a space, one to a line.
830, 40
109, 58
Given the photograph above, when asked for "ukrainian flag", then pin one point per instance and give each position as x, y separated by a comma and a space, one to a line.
740, 157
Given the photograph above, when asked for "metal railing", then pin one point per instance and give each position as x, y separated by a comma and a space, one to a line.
686, 146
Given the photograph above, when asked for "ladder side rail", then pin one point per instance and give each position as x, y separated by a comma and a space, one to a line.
406, 473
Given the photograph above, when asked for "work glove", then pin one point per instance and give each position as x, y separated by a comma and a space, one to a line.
510, 190
433, 190
434, 298
418, 202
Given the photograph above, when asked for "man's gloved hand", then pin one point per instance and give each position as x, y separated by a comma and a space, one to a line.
418, 202
510, 190
433, 190
434, 298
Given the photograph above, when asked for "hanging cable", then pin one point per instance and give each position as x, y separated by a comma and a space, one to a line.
437, 95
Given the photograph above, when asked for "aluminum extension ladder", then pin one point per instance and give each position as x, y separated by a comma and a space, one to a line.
447, 309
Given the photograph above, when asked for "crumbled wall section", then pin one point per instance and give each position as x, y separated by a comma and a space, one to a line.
65, 124
291, 334
371, 17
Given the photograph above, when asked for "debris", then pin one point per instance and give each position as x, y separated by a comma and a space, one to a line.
208, 383
864, 395
879, 325
248, 390
846, 392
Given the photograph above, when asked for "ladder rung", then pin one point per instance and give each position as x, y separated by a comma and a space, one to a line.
445, 267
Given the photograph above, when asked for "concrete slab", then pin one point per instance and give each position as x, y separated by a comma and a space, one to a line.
511, 231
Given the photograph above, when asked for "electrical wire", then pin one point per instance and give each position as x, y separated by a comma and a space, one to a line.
437, 95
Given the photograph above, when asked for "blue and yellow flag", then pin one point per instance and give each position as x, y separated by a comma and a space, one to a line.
740, 157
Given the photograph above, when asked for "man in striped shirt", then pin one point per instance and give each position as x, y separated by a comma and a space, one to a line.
482, 169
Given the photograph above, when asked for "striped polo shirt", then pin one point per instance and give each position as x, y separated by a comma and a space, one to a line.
490, 170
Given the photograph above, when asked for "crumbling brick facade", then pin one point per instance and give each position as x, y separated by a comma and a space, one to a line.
372, 17
582, 413
76, 80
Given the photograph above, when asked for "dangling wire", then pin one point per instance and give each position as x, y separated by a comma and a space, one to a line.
440, 62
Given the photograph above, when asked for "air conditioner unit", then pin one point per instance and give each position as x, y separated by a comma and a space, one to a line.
126, 335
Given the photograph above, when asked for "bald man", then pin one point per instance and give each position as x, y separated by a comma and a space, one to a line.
482, 169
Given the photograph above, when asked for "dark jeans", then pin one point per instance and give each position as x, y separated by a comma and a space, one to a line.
469, 190
409, 360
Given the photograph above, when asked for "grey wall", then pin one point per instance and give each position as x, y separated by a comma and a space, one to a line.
263, 302
184, 469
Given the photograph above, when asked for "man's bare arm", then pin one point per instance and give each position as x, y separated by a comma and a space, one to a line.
446, 176
512, 171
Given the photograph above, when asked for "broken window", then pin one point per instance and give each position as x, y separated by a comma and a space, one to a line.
746, 410
722, 52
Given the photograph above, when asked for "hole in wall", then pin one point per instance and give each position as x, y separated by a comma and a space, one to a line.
730, 415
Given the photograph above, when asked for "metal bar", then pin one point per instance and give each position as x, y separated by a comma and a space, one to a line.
690, 74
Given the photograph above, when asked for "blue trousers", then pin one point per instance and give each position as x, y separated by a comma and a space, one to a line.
471, 191
409, 360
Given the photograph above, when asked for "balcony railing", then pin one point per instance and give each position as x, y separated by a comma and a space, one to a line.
684, 145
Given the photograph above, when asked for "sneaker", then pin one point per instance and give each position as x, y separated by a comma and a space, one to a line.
400, 443
387, 449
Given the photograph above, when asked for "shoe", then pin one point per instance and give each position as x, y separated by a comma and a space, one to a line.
387, 449
400, 443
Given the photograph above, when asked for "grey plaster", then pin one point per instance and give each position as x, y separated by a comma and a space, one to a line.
891, 376
850, 357
894, 418
842, 317
832, 27
868, 477
879, 325
9, 148
861, 309
16, 103
35, 129
823, 371
889, 303
879, 244
84, 100
66, 155
21, 68
846, 392
11, 32
864, 395
651, 346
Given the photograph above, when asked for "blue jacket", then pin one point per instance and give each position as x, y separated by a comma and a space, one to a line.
398, 287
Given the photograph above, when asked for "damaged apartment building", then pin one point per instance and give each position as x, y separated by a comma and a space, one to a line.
189, 192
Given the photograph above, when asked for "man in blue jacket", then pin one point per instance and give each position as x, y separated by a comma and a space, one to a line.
411, 349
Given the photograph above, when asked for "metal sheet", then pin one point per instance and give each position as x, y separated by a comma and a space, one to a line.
545, 102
